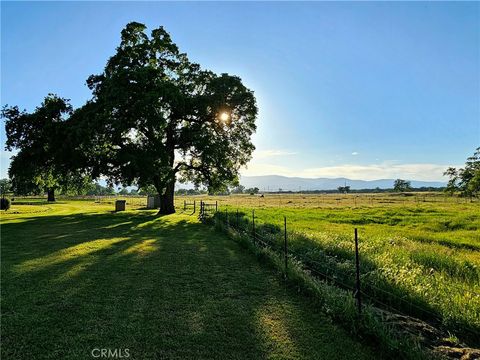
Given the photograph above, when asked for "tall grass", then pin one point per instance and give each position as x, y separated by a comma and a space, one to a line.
422, 259
337, 303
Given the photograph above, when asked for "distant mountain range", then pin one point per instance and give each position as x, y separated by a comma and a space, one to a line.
276, 182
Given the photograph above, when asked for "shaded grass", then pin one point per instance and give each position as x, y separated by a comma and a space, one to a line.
78, 277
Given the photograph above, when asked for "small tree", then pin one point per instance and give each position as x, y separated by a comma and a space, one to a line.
466, 180
401, 185
344, 189
147, 190
100, 190
4, 203
252, 191
238, 190
5, 186
123, 191
452, 185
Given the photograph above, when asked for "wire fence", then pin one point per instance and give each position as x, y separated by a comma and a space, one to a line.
190, 205
353, 276
207, 209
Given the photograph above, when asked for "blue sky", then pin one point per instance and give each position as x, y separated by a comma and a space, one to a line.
364, 90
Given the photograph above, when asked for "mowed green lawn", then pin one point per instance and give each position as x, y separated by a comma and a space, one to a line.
76, 277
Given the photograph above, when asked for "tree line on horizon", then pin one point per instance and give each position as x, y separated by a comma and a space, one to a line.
463, 181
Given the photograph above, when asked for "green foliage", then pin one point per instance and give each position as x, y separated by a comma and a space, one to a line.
147, 190
123, 191
191, 192
155, 115
97, 189
466, 180
5, 186
344, 189
4, 203
252, 191
42, 162
240, 189
400, 185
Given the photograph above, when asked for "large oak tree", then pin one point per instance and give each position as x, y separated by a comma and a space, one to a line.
156, 117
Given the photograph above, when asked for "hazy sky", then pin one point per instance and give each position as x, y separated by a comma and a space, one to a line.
364, 90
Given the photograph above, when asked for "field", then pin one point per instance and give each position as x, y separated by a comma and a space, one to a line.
419, 254
77, 277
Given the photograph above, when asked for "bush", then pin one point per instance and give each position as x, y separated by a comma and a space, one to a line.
4, 204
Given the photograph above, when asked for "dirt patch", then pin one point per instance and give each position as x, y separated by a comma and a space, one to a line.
429, 336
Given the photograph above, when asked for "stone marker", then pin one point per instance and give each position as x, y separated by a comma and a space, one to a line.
153, 202
120, 205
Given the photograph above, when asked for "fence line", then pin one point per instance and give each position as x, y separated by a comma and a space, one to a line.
187, 204
331, 274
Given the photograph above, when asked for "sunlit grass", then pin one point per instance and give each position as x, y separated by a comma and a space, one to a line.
426, 251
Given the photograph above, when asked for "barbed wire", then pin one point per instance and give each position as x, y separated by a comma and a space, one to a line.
333, 276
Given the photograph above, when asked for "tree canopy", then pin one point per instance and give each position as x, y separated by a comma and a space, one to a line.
42, 162
344, 189
401, 185
155, 117
465, 180
5, 186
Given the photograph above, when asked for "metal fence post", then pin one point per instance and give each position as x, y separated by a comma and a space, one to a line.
194, 206
285, 245
184, 205
357, 282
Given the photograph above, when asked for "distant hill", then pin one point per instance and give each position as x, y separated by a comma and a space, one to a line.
275, 182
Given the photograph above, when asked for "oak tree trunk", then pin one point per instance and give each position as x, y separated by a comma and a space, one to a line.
167, 205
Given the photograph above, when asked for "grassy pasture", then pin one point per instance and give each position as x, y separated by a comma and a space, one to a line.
77, 277
424, 249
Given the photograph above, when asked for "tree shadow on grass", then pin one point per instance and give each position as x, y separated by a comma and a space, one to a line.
162, 287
